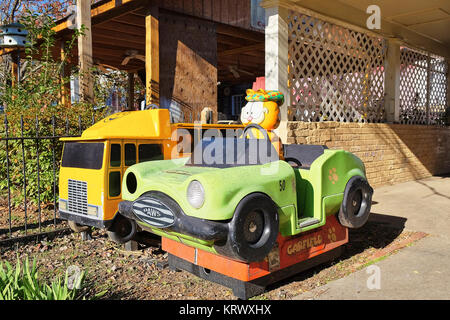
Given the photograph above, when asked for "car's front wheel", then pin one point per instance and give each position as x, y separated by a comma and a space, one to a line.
253, 230
122, 230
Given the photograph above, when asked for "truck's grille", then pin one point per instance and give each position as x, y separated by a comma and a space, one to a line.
77, 202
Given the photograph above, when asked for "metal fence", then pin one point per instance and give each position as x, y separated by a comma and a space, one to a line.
28, 203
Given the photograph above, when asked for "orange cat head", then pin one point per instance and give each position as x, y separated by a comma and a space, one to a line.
263, 108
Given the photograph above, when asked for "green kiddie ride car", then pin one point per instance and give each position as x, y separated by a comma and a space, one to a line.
234, 196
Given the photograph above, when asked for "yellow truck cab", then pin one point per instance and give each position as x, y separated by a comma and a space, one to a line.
93, 165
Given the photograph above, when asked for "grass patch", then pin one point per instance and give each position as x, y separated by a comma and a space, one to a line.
375, 261
23, 282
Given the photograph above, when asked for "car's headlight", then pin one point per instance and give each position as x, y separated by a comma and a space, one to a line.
195, 194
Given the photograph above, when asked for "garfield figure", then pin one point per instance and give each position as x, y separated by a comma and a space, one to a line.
263, 108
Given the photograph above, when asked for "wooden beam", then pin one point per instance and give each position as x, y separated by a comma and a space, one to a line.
258, 47
242, 60
118, 11
104, 11
127, 44
132, 20
152, 54
115, 47
224, 39
240, 33
120, 27
118, 36
85, 51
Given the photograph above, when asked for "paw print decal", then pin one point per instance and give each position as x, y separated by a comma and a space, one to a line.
333, 176
332, 234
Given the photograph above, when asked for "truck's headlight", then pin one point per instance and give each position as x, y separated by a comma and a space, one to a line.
92, 210
62, 205
195, 194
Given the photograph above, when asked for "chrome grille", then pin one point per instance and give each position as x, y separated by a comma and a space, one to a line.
77, 202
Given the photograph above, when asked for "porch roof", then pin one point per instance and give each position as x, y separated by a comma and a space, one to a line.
417, 23
118, 31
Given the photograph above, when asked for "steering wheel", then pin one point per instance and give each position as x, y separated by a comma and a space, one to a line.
151, 106
296, 161
247, 130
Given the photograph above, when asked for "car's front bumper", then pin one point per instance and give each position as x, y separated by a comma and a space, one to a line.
199, 228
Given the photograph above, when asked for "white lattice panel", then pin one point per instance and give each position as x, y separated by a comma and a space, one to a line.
413, 86
423, 87
438, 90
335, 73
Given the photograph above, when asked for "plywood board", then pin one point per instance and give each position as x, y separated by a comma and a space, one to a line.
188, 64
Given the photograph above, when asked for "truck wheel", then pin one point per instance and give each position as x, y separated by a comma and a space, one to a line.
77, 227
122, 230
253, 230
355, 208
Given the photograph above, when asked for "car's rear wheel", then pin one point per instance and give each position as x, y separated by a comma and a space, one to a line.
122, 230
253, 230
355, 207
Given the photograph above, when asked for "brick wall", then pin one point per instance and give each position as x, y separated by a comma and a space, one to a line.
392, 153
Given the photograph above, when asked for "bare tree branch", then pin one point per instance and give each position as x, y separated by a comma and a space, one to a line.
15, 7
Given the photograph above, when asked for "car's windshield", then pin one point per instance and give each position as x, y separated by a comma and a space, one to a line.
231, 152
83, 155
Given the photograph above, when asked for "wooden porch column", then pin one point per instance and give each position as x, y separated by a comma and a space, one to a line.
64, 78
152, 54
277, 60
14, 69
85, 51
392, 82
131, 91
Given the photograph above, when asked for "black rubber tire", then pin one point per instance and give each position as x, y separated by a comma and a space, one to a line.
77, 227
122, 230
355, 207
255, 212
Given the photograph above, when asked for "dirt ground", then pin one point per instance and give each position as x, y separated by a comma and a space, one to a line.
140, 274
44, 219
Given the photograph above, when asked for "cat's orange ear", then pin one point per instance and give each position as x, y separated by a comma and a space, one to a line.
250, 92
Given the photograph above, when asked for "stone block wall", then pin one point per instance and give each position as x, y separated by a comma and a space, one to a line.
392, 153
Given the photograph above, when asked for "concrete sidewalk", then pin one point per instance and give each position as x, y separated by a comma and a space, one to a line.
420, 271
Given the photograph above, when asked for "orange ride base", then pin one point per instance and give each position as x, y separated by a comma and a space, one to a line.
290, 255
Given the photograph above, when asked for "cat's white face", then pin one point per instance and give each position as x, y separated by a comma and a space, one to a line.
253, 112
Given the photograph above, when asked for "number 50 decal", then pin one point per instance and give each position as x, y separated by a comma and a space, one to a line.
282, 185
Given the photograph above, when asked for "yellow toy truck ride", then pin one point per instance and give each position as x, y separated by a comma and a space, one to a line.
93, 165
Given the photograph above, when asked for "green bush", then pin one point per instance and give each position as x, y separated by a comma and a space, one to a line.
22, 283
38, 94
